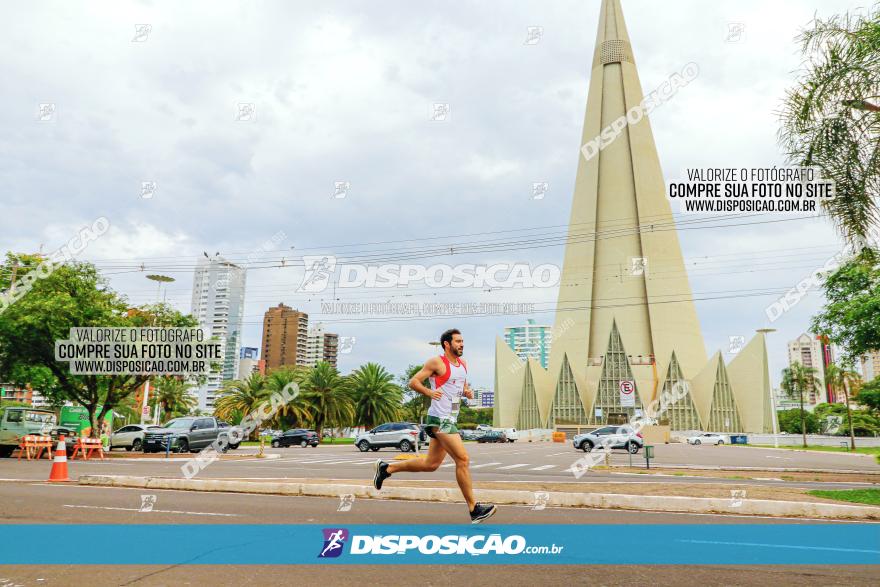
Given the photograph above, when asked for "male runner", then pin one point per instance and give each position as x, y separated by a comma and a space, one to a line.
448, 374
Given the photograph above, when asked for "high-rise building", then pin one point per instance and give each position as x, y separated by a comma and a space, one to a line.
626, 333
809, 351
487, 399
321, 346
218, 305
285, 337
249, 352
870, 366
529, 341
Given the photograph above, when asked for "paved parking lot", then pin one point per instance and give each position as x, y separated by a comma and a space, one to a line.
548, 462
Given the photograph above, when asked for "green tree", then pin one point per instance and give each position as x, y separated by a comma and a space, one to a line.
173, 396
327, 395
851, 316
72, 295
376, 397
241, 397
869, 395
831, 118
843, 380
798, 380
795, 421
415, 405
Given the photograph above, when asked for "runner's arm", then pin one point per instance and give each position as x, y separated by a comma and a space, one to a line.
429, 370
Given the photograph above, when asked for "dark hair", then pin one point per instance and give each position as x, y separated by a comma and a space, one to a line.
447, 337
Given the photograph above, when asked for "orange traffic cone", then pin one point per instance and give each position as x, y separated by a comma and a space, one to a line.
59, 463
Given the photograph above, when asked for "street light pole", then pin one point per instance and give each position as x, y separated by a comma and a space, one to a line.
145, 409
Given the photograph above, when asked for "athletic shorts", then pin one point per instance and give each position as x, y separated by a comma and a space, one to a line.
434, 424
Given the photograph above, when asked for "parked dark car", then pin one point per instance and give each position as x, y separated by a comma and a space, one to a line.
185, 434
493, 436
297, 437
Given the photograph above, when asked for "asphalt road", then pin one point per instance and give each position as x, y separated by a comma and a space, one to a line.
489, 462
29, 502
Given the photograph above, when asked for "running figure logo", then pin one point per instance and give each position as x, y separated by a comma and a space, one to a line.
334, 540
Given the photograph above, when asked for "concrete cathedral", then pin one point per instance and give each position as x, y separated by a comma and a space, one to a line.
625, 311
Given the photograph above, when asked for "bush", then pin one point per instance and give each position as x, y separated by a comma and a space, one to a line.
790, 421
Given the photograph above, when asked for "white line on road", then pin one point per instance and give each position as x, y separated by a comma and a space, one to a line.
542, 467
483, 465
518, 465
102, 507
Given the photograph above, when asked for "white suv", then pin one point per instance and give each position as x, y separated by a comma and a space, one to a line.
402, 435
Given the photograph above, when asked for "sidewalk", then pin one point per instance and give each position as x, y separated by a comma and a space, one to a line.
720, 498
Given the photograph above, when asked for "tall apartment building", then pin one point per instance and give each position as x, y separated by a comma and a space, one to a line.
285, 337
809, 351
218, 305
870, 366
321, 346
530, 341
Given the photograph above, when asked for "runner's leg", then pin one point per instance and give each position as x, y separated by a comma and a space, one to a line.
430, 462
454, 446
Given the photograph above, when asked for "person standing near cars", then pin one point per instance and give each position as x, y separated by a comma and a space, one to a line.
448, 377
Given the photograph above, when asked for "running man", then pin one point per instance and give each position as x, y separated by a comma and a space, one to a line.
448, 375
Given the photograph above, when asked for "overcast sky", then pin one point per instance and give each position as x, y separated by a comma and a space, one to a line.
344, 92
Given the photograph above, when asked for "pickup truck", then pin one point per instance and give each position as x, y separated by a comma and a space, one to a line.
189, 434
16, 422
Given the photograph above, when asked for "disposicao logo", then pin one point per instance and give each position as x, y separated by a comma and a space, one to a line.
334, 541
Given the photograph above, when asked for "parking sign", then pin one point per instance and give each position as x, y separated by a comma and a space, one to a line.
627, 394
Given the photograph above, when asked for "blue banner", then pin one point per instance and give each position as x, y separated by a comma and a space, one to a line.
627, 544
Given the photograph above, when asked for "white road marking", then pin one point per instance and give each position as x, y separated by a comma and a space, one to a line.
483, 465
102, 507
518, 465
542, 467
451, 465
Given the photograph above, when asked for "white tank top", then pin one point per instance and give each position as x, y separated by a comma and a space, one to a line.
452, 386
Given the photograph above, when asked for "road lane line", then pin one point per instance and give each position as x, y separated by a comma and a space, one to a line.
518, 465
102, 507
542, 467
484, 465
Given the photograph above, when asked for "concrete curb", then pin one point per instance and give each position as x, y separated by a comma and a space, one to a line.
701, 505
724, 469
185, 458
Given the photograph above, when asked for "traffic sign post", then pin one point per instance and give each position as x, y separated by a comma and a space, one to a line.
627, 394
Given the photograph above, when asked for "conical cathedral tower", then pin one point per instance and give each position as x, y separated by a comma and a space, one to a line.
625, 309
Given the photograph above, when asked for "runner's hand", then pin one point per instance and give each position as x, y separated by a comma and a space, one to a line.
435, 394
468, 392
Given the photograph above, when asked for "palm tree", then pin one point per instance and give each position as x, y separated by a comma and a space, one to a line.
173, 396
376, 397
243, 396
328, 398
796, 381
844, 380
298, 409
831, 118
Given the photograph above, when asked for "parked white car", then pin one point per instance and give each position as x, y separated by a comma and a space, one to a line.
511, 433
708, 438
130, 437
